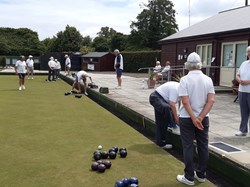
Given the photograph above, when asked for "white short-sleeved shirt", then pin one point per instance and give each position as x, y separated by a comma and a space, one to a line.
30, 62
52, 64
58, 65
82, 74
196, 86
169, 91
119, 59
157, 68
244, 73
68, 62
21, 66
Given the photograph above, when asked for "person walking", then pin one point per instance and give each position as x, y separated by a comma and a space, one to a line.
51, 65
197, 95
243, 77
163, 99
57, 69
118, 66
21, 69
67, 65
30, 65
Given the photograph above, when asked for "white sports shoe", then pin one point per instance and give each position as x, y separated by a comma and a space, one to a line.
174, 130
20, 88
241, 133
201, 180
118, 87
23, 87
28, 78
182, 179
167, 146
86, 93
32, 78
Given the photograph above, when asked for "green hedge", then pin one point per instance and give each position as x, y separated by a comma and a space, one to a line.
135, 60
2, 61
37, 66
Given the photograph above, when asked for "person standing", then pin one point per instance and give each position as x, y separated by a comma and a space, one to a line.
21, 69
51, 65
163, 99
81, 75
67, 65
30, 65
197, 95
243, 77
57, 68
118, 65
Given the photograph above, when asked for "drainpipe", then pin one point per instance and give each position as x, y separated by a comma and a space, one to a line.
246, 3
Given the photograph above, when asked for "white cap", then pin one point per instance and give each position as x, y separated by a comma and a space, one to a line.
66, 56
194, 58
116, 51
158, 62
51, 58
56, 60
30, 56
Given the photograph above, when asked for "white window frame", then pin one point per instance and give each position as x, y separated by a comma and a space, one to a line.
234, 50
201, 54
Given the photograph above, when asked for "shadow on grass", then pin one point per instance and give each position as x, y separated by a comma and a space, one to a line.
149, 149
9, 90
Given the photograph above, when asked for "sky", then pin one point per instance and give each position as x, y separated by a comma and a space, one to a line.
48, 17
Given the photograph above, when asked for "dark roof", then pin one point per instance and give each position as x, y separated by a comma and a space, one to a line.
230, 20
95, 54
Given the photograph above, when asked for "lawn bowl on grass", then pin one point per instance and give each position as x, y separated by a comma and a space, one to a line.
47, 140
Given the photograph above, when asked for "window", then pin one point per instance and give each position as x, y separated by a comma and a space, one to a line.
233, 53
205, 52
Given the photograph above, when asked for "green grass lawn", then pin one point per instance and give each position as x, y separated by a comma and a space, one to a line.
47, 139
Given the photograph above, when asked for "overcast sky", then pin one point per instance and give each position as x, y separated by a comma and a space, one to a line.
47, 17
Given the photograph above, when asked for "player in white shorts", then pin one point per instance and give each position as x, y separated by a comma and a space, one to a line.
81, 75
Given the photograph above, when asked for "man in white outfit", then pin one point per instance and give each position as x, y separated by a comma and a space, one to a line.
30, 65
67, 65
118, 66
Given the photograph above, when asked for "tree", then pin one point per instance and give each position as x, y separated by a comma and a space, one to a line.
118, 41
49, 43
156, 21
69, 40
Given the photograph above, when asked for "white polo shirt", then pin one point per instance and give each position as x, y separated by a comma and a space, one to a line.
68, 62
244, 73
196, 86
52, 64
21, 66
82, 74
30, 62
169, 91
119, 59
58, 65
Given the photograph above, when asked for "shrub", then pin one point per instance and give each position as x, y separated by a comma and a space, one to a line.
140, 59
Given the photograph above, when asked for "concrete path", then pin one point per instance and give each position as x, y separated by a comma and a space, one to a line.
224, 117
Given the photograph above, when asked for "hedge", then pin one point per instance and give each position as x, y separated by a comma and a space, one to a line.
140, 59
2, 61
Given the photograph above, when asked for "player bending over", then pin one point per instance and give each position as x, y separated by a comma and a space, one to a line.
81, 75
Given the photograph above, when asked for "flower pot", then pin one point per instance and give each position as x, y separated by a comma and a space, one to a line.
151, 83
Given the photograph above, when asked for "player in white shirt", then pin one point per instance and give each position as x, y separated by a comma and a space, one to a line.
81, 75
118, 66
67, 65
52, 66
30, 65
163, 99
57, 68
21, 69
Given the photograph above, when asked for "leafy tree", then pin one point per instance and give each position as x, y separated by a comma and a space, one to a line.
86, 49
49, 43
101, 44
87, 41
107, 33
118, 41
156, 21
69, 40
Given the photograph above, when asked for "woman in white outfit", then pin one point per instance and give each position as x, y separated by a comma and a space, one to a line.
21, 70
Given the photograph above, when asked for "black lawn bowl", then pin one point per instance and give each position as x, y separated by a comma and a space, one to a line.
115, 149
133, 180
101, 168
112, 150
99, 162
78, 96
126, 181
94, 166
97, 156
122, 148
105, 154
119, 184
112, 155
108, 164
123, 154
67, 93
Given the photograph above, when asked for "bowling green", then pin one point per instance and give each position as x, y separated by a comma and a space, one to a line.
47, 140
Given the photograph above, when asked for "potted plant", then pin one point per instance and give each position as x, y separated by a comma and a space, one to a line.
151, 82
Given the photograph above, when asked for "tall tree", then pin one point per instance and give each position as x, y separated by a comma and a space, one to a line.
156, 21
69, 40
